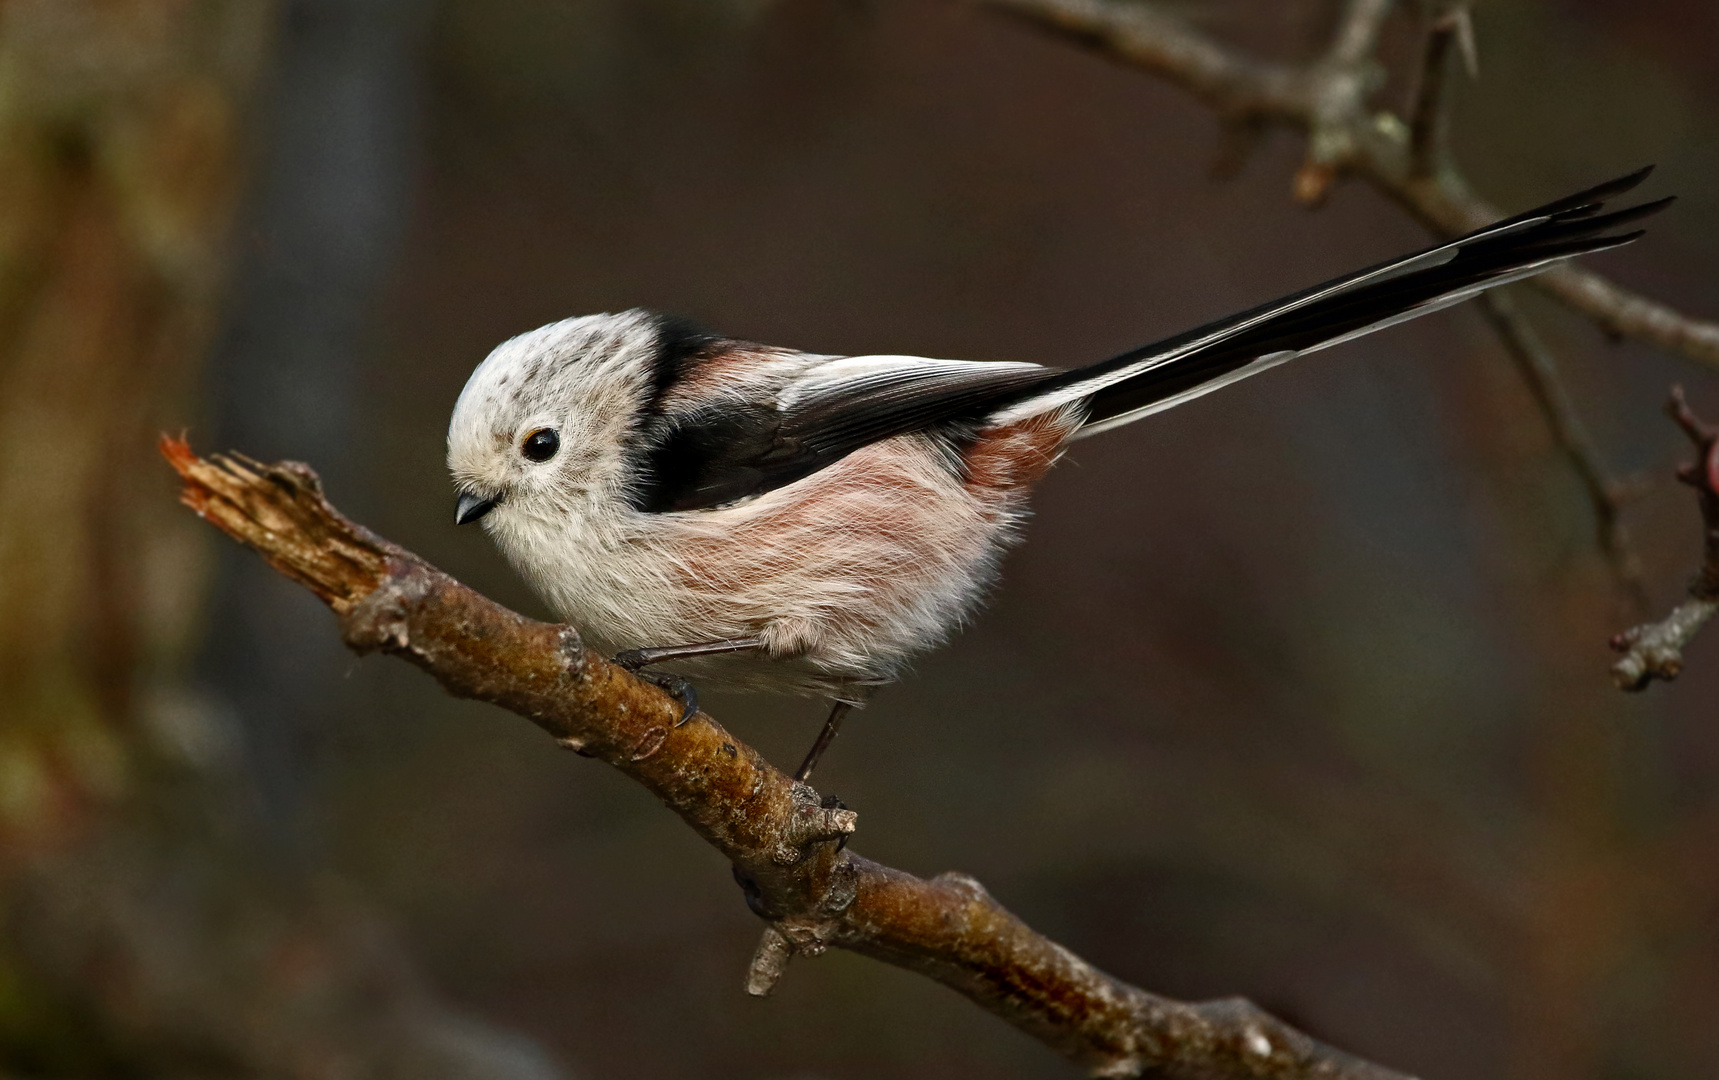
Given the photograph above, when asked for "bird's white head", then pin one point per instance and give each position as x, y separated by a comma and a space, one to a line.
542, 422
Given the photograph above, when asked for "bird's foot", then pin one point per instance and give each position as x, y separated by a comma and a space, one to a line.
681, 690
677, 688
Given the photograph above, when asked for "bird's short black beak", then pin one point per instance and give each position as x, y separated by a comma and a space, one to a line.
472, 506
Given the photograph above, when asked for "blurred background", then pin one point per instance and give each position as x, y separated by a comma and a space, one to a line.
1299, 692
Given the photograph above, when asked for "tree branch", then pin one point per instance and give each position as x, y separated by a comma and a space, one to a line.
786, 845
1539, 370
1655, 650
1327, 100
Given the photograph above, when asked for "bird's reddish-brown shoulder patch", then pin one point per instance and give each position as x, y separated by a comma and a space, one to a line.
723, 366
1017, 455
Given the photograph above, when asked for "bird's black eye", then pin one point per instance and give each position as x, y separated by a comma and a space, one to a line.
541, 444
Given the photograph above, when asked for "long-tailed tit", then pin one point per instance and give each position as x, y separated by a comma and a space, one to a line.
760, 517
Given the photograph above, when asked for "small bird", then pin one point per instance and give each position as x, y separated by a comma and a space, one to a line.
757, 517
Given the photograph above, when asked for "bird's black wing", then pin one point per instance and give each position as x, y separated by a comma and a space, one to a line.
741, 446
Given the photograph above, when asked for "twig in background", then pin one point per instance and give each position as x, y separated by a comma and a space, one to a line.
1655, 650
1358, 30
1539, 370
785, 845
1429, 119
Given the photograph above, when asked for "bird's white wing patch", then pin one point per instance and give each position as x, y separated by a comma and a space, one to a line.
860, 376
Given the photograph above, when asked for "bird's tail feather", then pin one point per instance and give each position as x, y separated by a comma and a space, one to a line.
1167, 373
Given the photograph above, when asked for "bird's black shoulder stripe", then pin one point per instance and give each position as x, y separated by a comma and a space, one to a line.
698, 456
709, 457
680, 344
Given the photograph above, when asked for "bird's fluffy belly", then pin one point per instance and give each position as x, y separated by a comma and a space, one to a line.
845, 574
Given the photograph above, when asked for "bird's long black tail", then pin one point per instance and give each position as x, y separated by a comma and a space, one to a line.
1166, 373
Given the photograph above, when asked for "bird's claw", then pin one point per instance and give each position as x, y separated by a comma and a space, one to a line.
679, 689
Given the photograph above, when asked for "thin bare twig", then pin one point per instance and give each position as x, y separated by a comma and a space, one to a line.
1539, 370
785, 844
1329, 103
1358, 30
1623, 313
1655, 650
1429, 120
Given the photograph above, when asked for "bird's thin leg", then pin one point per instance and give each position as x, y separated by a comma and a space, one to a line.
682, 691
825, 738
634, 659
